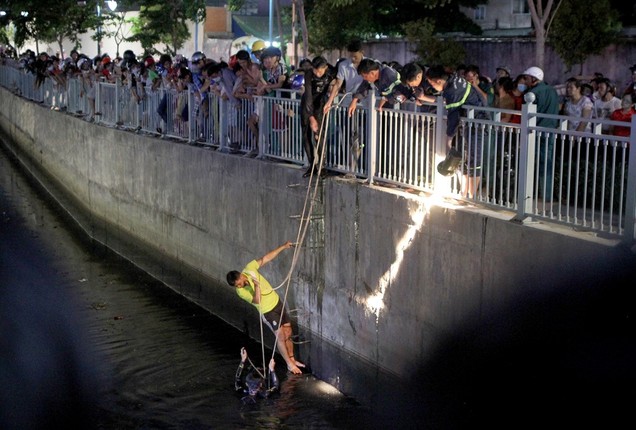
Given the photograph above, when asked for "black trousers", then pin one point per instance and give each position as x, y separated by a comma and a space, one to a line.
310, 144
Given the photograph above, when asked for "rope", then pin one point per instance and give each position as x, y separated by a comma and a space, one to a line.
305, 218
260, 314
303, 228
262, 375
306, 213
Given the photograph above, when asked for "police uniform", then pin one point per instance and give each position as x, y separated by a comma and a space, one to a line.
458, 92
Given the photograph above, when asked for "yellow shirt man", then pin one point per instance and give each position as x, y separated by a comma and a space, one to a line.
269, 298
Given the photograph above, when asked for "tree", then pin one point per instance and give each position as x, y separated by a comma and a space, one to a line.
333, 27
303, 24
235, 5
335, 22
431, 49
57, 27
542, 13
576, 35
23, 16
165, 21
7, 36
40, 21
114, 27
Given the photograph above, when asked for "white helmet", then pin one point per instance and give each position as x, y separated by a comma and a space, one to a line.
535, 72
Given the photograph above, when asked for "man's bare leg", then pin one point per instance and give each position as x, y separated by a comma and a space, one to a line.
283, 339
287, 330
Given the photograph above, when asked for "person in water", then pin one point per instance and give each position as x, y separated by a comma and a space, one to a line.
252, 287
251, 381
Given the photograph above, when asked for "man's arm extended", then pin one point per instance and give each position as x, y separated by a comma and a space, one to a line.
335, 88
273, 254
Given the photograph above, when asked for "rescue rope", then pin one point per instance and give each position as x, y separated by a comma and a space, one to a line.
305, 218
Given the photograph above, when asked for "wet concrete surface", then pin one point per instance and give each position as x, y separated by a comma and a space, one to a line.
90, 341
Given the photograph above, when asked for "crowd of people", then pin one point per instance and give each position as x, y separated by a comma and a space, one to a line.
262, 71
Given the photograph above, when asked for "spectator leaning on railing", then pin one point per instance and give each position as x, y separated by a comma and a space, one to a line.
383, 77
457, 93
409, 93
317, 84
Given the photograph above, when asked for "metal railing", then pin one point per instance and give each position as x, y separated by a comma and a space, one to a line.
583, 179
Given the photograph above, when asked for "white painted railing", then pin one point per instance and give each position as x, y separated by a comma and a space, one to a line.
583, 179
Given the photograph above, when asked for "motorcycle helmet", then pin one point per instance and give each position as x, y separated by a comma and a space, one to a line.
197, 56
297, 82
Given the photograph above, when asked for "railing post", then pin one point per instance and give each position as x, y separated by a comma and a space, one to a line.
630, 200
117, 102
527, 148
139, 107
192, 115
98, 102
441, 184
264, 125
372, 135
224, 135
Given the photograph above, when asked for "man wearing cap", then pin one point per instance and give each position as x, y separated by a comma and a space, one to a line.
547, 101
152, 77
275, 72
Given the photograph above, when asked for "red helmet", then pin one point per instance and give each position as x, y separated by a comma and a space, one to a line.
149, 61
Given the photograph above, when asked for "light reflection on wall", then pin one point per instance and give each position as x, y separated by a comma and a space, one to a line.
422, 207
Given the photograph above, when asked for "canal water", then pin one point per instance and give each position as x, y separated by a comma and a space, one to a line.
90, 341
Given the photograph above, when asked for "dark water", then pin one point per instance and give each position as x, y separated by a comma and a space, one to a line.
89, 341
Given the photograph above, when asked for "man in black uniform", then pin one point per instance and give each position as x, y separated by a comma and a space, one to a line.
457, 92
375, 75
317, 82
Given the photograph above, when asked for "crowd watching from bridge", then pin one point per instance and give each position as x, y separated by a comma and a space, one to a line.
184, 85
263, 70
315, 114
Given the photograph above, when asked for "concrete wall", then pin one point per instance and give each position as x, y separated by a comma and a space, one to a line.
385, 276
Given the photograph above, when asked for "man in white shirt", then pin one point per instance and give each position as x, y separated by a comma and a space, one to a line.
347, 73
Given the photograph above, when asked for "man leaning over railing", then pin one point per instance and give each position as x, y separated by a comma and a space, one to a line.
457, 93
